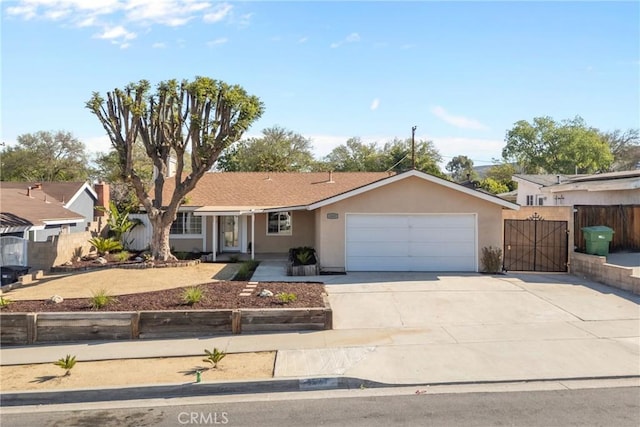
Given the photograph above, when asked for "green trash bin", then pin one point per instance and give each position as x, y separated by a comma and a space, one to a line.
597, 239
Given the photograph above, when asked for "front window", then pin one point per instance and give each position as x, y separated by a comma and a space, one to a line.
529, 200
187, 223
279, 223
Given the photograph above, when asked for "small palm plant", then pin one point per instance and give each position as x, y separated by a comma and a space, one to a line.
104, 245
66, 363
214, 357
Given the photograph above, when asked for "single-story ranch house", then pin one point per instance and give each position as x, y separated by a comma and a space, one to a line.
356, 221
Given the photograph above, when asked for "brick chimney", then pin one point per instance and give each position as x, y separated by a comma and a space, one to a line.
102, 190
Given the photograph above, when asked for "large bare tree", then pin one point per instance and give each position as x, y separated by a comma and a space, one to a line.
200, 117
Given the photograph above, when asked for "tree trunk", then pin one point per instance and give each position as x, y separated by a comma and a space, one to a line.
160, 248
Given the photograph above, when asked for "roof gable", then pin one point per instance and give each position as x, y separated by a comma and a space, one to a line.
414, 173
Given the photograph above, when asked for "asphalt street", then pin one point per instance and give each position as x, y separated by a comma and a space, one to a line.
562, 407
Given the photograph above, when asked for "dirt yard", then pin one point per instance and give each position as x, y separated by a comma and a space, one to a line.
129, 372
118, 281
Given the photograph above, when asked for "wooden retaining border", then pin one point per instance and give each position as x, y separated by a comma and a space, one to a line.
36, 328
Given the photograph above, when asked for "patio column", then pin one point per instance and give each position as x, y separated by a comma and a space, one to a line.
253, 235
214, 238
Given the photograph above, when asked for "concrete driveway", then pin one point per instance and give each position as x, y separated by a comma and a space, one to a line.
428, 328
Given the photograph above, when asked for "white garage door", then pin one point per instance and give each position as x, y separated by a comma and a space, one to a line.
411, 242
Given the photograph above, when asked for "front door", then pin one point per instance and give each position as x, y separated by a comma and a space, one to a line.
230, 231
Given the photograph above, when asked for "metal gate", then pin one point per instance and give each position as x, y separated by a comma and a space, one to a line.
535, 245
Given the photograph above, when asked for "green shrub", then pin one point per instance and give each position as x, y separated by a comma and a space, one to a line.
181, 255
214, 356
246, 270
491, 259
67, 363
122, 256
302, 255
286, 297
234, 258
105, 245
192, 295
101, 298
4, 302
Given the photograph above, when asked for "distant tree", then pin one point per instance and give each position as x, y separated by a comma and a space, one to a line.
549, 147
625, 147
396, 156
109, 169
45, 156
461, 168
503, 173
355, 156
202, 117
277, 150
493, 186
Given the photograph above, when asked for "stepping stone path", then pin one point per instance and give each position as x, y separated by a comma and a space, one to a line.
249, 289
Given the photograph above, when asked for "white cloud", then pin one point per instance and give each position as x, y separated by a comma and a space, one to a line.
220, 12
217, 42
303, 39
158, 45
122, 13
115, 33
457, 121
375, 104
351, 38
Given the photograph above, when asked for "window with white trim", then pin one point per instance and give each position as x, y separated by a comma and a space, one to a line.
529, 200
187, 223
279, 223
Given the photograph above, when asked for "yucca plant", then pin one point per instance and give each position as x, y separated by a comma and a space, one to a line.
66, 363
4, 302
192, 295
214, 356
101, 298
286, 297
105, 245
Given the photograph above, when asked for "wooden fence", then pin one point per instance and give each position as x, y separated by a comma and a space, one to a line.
623, 219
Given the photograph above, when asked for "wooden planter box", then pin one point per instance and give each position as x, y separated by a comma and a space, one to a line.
303, 270
33, 328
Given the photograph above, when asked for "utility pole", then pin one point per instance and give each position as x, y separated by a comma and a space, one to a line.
413, 147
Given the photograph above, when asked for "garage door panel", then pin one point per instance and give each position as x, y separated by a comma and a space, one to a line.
441, 235
381, 263
442, 263
393, 249
370, 234
450, 249
438, 242
378, 220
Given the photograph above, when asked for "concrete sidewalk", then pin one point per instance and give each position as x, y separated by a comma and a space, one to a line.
430, 328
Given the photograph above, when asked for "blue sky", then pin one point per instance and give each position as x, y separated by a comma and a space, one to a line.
462, 72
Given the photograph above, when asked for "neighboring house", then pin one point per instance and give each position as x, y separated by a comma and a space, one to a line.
356, 221
36, 211
614, 188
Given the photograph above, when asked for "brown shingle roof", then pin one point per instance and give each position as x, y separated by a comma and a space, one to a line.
271, 189
17, 209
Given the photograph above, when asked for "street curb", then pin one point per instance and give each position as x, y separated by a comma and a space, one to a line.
167, 391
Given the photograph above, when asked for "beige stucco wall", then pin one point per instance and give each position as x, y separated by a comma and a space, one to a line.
186, 244
303, 233
410, 195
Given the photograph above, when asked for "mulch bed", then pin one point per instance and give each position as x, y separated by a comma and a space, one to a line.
217, 295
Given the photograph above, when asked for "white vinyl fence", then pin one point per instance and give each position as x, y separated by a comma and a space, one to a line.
139, 238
